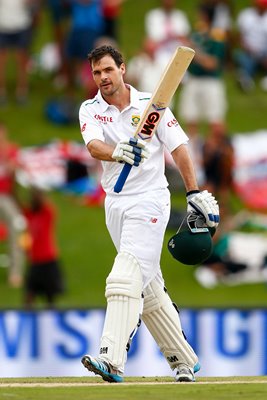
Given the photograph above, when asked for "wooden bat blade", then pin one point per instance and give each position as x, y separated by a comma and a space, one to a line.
164, 92
161, 98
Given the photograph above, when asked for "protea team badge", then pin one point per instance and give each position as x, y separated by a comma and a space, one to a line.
135, 120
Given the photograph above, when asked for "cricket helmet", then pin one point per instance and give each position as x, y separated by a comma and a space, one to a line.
192, 243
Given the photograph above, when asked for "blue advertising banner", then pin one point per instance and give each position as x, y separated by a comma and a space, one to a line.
51, 343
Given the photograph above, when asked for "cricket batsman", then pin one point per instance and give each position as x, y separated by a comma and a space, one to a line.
137, 217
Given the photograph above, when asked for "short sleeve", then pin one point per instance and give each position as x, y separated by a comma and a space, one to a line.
90, 127
170, 132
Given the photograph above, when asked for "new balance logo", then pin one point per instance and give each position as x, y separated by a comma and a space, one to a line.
172, 359
104, 350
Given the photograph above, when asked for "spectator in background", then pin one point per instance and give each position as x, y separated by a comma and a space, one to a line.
218, 163
59, 13
87, 26
219, 268
203, 96
10, 212
168, 26
111, 10
252, 54
222, 23
145, 69
222, 20
44, 276
17, 21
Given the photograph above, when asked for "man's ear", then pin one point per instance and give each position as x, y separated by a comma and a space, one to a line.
123, 68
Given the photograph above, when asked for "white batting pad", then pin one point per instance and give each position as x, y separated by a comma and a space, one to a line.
163, 322
123, 292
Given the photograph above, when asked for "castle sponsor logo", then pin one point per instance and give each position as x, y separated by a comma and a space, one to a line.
103, 118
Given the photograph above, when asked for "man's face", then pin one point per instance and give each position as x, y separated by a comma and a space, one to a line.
107, 75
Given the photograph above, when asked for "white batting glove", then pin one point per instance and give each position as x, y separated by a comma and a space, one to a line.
133, 151
204, 203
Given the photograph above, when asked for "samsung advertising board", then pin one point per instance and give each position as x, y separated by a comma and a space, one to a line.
51, 343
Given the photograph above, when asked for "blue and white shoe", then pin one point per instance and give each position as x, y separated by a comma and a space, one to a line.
102, 368
184, 374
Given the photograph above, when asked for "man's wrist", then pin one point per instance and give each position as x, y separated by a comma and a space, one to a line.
195, 191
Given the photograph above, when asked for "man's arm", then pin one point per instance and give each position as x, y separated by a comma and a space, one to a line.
185, 166
100, 150
201, 203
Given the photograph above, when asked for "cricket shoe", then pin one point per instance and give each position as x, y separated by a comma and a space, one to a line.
102, 368
184, 374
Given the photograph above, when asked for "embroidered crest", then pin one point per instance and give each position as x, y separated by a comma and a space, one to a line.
135, 120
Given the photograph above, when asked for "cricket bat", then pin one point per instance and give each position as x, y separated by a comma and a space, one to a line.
159, 101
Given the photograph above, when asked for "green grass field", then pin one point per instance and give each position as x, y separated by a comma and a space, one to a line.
134, 389
86, 249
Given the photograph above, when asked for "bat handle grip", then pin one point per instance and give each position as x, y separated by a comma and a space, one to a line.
122, 177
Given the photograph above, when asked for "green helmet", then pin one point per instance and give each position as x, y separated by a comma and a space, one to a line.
192, 243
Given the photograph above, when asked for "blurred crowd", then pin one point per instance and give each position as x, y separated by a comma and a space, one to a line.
76, 26
224, 36
29, 229
223, 39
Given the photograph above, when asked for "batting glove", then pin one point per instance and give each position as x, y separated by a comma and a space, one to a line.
203, 203
133, 151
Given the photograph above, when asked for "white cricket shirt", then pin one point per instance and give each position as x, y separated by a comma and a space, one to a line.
102, 121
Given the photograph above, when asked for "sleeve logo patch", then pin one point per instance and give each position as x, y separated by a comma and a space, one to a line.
171, 123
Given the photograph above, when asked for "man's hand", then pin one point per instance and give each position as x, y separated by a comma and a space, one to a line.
133, 151
203, 203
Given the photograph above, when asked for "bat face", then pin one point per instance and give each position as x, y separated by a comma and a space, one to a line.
151, 122
164, 92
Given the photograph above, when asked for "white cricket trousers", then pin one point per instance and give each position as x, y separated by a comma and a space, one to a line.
137, 225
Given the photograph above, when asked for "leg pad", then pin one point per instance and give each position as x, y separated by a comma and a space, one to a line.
123, 292
162, 319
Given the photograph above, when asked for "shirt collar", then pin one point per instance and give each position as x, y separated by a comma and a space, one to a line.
103, 104
134, 99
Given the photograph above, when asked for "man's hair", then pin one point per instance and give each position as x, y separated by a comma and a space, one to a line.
99, 52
